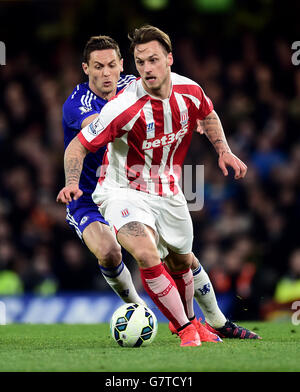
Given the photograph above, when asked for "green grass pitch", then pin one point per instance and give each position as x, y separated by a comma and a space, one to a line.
89, 348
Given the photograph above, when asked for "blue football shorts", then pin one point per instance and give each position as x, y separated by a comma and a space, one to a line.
81, 213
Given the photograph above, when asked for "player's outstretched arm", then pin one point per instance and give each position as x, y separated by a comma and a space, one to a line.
73, 162
212, 127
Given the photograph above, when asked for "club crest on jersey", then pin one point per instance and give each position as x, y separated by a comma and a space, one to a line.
84, 109
125, 213
95, 127
184, 118
83, 220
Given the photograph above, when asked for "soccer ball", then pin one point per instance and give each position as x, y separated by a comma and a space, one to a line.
133, 325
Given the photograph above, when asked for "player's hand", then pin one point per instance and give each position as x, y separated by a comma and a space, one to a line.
226, 158
69, 193
199, 127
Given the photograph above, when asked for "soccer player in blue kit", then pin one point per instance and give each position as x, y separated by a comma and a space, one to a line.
103, 64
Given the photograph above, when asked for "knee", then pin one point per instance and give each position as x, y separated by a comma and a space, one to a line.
109, 255
195, 262
146, 257
179, 262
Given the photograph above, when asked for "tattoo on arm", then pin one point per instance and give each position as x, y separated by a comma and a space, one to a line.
73, 161
73, 168
217, 141
135, 229
214, 131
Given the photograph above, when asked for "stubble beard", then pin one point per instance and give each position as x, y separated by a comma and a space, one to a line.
156, 89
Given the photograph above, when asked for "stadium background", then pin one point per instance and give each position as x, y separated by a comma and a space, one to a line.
246, 236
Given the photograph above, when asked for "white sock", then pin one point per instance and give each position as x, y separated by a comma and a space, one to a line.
119, 279
206, 299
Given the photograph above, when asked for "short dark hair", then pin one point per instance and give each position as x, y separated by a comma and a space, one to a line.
149, 33
99, 42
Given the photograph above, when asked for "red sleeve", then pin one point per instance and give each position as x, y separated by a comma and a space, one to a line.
89, 146
206, 105
197, 96
95, 135
113, 122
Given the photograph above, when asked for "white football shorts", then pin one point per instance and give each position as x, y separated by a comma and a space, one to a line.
168, 216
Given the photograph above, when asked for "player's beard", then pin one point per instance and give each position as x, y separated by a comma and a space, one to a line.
105, 92
156, 89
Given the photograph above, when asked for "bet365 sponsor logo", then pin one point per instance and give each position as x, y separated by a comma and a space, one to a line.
164, 140
2, 53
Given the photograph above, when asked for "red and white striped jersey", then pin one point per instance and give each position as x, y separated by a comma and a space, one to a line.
147, 138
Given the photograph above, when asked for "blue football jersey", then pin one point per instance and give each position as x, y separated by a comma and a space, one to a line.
81, 104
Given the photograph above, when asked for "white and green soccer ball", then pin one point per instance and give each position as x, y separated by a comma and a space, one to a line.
133, 325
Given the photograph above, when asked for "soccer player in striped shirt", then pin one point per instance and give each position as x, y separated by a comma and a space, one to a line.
102, 63
149, 127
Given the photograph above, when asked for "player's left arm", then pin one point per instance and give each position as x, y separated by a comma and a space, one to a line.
211, 126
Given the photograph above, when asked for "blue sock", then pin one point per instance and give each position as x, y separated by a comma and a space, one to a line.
112, 272
197, 270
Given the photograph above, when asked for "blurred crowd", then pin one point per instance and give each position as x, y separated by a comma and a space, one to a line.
246, 235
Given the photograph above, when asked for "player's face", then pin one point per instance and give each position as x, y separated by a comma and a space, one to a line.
153, 64
103, 69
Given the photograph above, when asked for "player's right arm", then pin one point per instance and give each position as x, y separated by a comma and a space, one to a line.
78, 112
114, 120
88, 120
73, 162
81, 144
76, 151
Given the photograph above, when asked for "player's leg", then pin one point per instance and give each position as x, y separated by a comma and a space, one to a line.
102, 243
178, 267
205, 296
129, 214
185, 284
91, 227
139, 240
176, 231
215, 320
